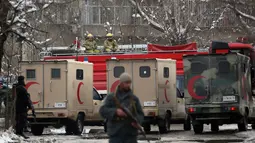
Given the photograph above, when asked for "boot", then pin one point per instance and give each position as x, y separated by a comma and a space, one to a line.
26, 130
24, 136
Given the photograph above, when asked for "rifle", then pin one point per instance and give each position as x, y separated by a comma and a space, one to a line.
129, 114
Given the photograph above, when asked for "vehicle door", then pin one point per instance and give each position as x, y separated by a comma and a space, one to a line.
55, 85
97, 103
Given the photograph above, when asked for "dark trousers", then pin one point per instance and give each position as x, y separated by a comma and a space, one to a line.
123, 139
21, 121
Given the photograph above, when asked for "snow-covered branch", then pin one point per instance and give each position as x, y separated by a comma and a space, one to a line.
238, 12
151, 22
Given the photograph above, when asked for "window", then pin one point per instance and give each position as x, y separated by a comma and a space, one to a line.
96, 96
30, 74
197, 67
55, 73
180, 82
224, 67
145, 71
166, 72
117, 71
79, 74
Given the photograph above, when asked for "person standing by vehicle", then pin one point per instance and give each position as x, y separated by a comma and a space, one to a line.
22, 103
119, 128
110, 45
90, 44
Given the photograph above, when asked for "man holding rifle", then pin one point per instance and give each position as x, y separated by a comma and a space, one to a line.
22, 103
123, 112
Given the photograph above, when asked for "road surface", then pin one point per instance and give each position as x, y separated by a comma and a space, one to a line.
227, 133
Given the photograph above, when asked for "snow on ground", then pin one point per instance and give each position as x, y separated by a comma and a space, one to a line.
9, 136
176, 135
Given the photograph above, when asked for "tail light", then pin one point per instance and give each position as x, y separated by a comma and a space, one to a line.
151, 114
232, 108
191, 110
61, 114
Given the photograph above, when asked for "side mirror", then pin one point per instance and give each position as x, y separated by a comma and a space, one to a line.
103, 96
182, 94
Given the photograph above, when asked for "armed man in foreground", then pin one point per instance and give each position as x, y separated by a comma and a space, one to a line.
120, 128
22, 103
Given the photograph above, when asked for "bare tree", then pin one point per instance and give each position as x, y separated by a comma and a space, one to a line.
177, 20
14, 20
245, 13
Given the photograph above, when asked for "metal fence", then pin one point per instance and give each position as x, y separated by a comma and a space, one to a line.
7, 110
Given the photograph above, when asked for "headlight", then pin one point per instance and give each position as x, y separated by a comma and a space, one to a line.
149, 103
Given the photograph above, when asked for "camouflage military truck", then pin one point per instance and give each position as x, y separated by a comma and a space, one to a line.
218, 90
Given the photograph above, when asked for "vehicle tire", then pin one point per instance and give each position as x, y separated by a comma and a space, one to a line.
79, 125
198, 128
164, 124
187, 124
253, 126
147, 128
37, 130
214, 127
243, 124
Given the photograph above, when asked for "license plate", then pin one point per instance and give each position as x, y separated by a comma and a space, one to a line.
60, 105
229, 98
149, 103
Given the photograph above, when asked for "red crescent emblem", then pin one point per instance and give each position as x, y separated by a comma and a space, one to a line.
30, 84
166, 93
114, 86
243, 88
191, 86
78, 92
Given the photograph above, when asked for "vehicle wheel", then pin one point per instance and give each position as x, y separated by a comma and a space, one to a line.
253, 126
37, 130
198, 128
164, 125
243, 125
187, 124
214, 127
147, 128
79, 125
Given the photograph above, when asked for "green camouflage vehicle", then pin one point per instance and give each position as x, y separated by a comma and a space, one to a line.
218, 90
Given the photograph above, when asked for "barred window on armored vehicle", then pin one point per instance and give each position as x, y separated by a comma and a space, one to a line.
79, 74
166, 72
145, 71
118, 70
224, 67
55, 73
30, 74
197, 67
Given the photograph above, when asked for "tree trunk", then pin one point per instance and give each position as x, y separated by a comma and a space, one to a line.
5, 7
2, 40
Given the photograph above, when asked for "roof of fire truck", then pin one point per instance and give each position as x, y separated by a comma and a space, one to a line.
151, 51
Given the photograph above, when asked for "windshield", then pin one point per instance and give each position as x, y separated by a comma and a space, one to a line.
180, 83
209, 78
